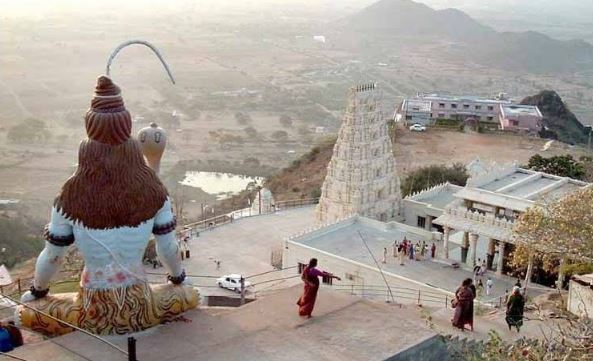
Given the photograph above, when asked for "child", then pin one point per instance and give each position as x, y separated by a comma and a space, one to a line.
489, 286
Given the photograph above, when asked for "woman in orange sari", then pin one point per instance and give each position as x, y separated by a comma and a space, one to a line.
310, 277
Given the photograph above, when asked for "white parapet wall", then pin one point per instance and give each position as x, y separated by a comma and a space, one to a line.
365, 280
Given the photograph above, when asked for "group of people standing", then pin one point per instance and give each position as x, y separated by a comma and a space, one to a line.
407, 249
463, 303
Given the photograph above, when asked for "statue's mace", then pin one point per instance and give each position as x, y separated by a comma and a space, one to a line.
153, 139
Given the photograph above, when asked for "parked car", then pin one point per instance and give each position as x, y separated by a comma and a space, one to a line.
418, 128
231, 282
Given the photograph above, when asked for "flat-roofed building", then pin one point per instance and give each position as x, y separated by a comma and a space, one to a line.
415, 111
520, 117
477, 220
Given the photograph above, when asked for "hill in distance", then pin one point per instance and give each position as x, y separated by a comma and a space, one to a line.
530, 51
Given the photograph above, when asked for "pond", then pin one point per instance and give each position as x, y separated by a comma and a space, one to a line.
223, 185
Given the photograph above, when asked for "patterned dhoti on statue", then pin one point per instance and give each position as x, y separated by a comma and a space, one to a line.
109, 311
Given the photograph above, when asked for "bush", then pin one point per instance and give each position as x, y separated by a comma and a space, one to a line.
432, 175
560, 165
285, 121
280, 135
445, 122
18, 241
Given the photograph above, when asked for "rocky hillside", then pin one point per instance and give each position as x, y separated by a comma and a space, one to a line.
558, 118
303, 179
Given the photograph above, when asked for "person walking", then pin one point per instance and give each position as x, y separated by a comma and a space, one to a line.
433, 250
402, 255
405, 248
395, 249
385, 255
489, 286
479, 288
463, 304
411, 250
515, 309
310, 278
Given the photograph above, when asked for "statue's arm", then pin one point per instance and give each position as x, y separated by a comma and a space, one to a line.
167, 247
58, 236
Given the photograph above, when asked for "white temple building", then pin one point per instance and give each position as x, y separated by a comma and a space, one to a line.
361, 176
481, 215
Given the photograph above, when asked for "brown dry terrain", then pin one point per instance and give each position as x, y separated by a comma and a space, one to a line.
414, 150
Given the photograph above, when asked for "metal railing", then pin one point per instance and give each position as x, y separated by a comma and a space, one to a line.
194, 228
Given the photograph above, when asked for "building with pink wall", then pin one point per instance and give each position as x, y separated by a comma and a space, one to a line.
520, 117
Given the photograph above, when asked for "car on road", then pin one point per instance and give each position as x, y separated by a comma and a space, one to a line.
418, 128
231, 282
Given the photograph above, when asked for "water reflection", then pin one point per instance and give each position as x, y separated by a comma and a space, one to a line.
223, 185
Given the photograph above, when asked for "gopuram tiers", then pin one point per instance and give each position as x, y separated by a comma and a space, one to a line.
361, 175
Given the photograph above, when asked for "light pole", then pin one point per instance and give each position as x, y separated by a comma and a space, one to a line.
589, 141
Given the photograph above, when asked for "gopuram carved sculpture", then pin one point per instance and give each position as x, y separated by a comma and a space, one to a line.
108, 209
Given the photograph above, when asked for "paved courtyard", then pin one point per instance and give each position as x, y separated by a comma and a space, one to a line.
245, 247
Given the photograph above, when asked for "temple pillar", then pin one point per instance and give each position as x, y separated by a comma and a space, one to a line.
473, 240
501, 247
428, 224
446, 231
464, 247
490, 253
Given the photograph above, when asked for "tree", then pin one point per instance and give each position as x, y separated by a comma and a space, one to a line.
280, 135
562, 229
251, 132
432, 175
242, 118
285, 121
560, 165
303, 130
30, 130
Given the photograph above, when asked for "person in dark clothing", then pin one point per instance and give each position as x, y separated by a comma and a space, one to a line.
16, 337
5, 342
464, 306
515, 308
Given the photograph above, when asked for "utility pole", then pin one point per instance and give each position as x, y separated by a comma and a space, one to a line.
259, 196
242, 290
132, 349
589, 142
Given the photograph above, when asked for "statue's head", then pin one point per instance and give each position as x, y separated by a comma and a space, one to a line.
112, 186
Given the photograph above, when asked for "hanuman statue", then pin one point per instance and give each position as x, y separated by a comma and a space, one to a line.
108, 209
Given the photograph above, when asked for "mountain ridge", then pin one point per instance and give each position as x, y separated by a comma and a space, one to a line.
529, 50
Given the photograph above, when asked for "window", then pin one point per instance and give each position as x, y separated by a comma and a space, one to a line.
421, 222
454, 106
416, 109
490, 107
515, 122
478, 107
408, 117
441, 115
490, 118
465, 106
441, 105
